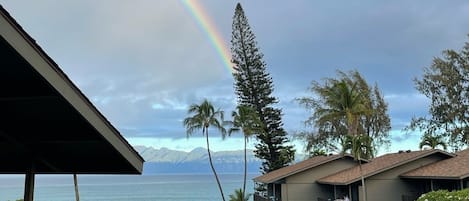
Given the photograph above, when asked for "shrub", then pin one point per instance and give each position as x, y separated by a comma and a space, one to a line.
238, 195
444, 195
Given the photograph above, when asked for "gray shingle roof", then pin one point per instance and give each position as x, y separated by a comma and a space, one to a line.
296, 168
452, 168
377, 165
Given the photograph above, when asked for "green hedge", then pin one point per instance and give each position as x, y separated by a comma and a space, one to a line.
444, 195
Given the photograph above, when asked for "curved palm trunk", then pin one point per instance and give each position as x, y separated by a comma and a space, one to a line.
363, 180
245, 166
213, 168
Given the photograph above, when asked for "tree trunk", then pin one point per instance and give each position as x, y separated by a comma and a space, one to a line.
245, 165
211, 166
29, 185
363, 180
75, 182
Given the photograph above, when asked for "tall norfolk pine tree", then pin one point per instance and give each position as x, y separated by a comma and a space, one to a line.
254, 86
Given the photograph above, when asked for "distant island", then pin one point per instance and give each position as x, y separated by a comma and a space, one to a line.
167, 161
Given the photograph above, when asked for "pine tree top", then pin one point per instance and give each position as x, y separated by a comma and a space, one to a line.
239, 7
254, 87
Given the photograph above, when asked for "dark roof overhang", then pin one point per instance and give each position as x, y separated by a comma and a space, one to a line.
46, 122
432, 177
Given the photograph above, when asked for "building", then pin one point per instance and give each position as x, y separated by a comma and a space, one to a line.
382, 175
450, 174
404, 175
298, 181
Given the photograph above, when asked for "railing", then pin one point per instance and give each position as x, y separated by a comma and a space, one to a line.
258, 197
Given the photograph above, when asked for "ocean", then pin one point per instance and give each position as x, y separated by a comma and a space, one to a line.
125, 187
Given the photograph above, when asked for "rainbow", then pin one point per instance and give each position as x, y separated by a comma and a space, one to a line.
214, 36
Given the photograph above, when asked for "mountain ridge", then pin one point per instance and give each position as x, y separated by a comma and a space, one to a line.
151, 154
164, 160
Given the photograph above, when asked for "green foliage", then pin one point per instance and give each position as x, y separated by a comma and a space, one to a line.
432, 141
343, 106
201, 117
238, 195
446, 84
348, 112
359, 145
444, 195
245, 119
317, 152
254, 87
204, 116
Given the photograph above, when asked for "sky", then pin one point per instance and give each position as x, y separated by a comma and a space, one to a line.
142, 63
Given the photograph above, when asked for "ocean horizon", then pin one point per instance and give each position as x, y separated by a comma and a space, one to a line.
163, 187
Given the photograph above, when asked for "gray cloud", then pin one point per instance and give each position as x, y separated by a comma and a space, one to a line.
143, 62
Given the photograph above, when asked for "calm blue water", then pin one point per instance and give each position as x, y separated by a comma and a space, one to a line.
125, 188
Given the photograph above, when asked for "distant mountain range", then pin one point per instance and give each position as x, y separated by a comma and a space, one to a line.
166, 161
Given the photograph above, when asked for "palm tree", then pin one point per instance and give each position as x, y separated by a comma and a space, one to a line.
203, 117
432, 141
361, 148
344, 102
317, 152
246, 120
239, 196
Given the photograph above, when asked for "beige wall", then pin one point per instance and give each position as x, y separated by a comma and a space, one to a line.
303, 186
388, 186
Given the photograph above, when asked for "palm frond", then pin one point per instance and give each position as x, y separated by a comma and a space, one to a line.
203, 117
239, 195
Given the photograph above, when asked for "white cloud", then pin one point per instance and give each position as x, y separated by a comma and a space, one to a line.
403, 141
143, 62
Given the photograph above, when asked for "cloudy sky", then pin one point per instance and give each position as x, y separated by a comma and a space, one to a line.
143, 62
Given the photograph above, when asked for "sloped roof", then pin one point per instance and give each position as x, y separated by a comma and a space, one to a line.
298, 167
48, 124
377, 165
452, 168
